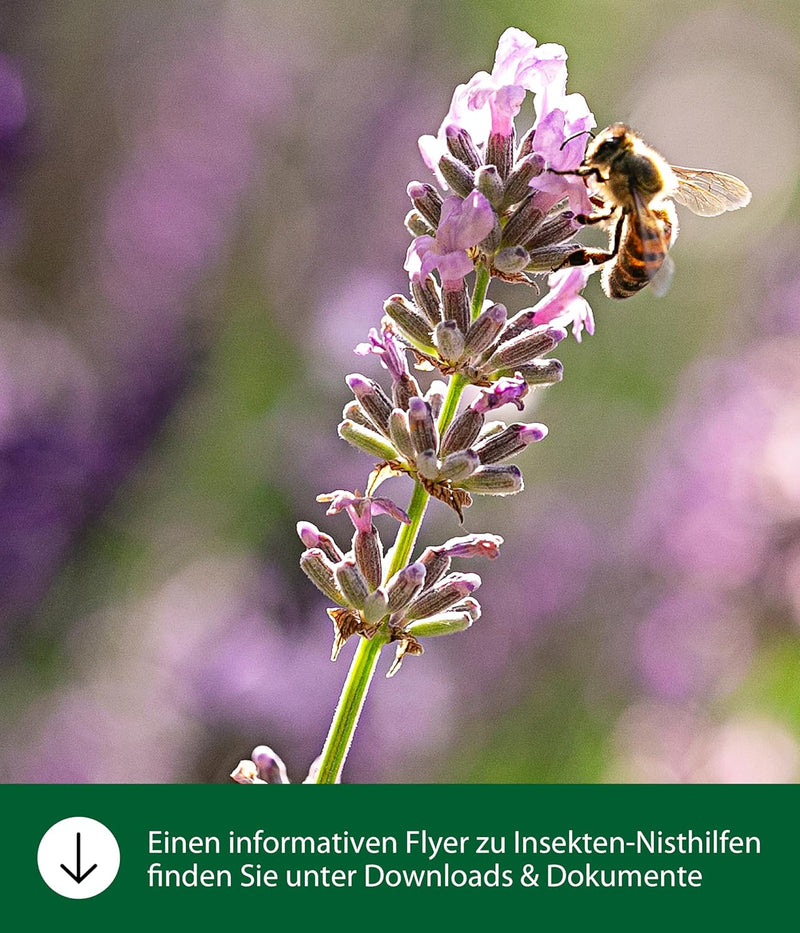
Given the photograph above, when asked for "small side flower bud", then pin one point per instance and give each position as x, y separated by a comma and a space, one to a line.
463, 430
518, 184
494, 481
352, 411
367, 441
368, 552
400, 435
375, 607
352, 583
542, 372
500, 152
490, 184
446, 623
509, 442
459, 465
444, 595
411, 324
511, 259
312, 537
455, 307
271, 768
449, 341
321, 573
416, 224
526, 347
405, 585
461, 146
403, 389
246, 773
460, 178
437, 563
484, 329
427, 464
421, 426
427, 299
475, 545
554, 230
371, 397
523, 223
427, 201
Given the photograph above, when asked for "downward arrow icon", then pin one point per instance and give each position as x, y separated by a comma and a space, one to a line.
76, 875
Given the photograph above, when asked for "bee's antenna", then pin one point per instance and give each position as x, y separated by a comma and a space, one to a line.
575, 136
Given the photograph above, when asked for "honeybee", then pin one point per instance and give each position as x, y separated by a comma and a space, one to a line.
635, 186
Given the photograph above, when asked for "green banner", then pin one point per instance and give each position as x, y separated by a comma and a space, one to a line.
633, 857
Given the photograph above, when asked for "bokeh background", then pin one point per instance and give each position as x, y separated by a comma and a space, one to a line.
201, 212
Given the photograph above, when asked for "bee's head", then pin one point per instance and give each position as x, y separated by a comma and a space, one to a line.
609, 143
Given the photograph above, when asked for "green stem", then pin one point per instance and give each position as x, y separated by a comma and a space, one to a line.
365, 660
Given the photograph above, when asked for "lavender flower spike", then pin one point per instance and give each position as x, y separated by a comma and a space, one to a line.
494, 211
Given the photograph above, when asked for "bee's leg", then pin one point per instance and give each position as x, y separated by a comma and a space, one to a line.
585, 257
584, 171
596, 257
596, 217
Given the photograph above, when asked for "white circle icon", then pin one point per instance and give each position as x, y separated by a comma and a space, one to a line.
78, 857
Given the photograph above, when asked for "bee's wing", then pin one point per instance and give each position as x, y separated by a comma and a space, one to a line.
709, 193
662, 280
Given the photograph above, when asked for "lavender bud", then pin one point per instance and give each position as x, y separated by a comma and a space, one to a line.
421, 426
416, 224
405, 585
427, 201
452, 589
492, 240
490, 184
554, 230
449, 341
436, 562
521, 322
321, 573
455, 307
445, 623
400, 435
517, 186
427, 464
463, 430
375, 402
435, 395
522, 223
461, 146
271, 768
411, 323
312, 537
352, 411
525, 348
368, 553
460, 178
549, 258
474, 545
375, 607
542, 372
484, 329
459, 465
404, 389
469, 605
426, 297
367, 441
246, 773
526, 145
494, 481
511, 259
509, 442
500, 152
351, 582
